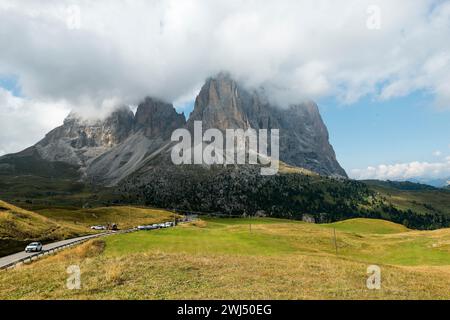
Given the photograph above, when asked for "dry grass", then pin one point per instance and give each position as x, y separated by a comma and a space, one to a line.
277, 260
17, 223
182, 276
19, 226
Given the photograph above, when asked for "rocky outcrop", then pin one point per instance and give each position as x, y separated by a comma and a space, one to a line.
156, 118
223, 104
153, 125
103, 151
80, 140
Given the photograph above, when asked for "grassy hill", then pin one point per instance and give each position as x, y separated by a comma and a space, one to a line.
413, 196
293, 193
368, 226
19, 226
125, 216
22, 224
247, 259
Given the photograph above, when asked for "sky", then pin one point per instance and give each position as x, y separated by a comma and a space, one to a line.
379, 69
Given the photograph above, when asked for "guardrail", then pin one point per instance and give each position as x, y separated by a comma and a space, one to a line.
58, 248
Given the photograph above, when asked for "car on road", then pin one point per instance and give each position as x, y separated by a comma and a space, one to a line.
169, 224
98, 228
146, 227
34, 247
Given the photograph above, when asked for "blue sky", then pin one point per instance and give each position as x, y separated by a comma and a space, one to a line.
10, 83
372, 132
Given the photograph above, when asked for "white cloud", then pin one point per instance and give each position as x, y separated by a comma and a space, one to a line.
437, 153
404, 171
125, 50
23, 122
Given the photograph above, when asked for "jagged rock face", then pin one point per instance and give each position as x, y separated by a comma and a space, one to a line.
153, 125
220, 105
224, 104
78, 140
157, 119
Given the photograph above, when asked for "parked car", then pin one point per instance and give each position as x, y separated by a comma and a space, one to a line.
34, 247
98, 228
169, 224
146, 227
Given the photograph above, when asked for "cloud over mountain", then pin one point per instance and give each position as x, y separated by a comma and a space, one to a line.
122, 50
405, 171
93, 55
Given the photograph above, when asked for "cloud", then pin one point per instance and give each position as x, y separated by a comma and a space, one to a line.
123, 50
404, 171
23, 122
437, 153
118, 51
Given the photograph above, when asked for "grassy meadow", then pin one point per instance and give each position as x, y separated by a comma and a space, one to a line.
258, 258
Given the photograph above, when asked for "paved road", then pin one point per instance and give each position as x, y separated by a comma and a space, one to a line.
4, 261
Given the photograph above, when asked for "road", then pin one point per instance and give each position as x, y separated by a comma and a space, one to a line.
5, 261
14, 258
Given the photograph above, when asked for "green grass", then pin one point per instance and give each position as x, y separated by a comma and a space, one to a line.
225, 238
247, 259
368, 240
367, 226
421, 200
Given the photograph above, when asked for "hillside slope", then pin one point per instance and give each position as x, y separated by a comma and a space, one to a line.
239, 190
413, 196
246, 259
19, 226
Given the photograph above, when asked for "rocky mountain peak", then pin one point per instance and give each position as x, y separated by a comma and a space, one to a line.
219, 104
225, 104
80, 139
157, 118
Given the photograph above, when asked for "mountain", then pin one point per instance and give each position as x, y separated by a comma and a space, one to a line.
438, 183
78, 141
130, 154
68, 150
153, 125
107, 151
224, 104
